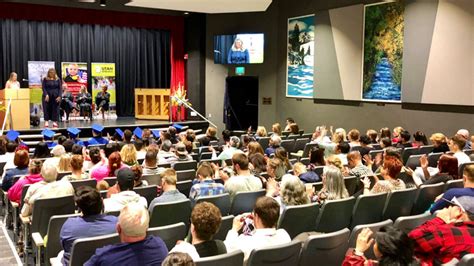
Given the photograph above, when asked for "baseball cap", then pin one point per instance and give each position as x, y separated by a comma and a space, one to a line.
125, 178
181, 149
466, 203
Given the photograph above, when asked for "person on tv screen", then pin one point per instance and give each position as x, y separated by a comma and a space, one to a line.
238, 54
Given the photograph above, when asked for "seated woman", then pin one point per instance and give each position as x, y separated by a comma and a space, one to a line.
42, 150
390, 171
333, 185
64, 164
292, 191
304, 175
275, 168
440, 143
84, 101
67, 102
316, 158
110, 169
77, 162
102, 101
282, 154
33, 176
128, 153
21, 161
138, 182
391, 247
447, 170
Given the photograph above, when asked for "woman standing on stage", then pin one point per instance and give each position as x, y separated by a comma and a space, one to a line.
51, 97
12, 82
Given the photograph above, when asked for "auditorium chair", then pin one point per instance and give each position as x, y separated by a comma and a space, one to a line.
399, 203
325, 249
152, 179
184, 175
226, 225
300, 144
299, 219
351, 184
195, 156
458, 183
245, 201
170, 234
212, 161
408, 223
221, 201
368, 209
164, 165
264, 142
184, 187
467, 260
319, 170
205, 156
342, 209
111, 180
83, 249
413, 161
285, 134
278, 255
307, 135
461, 168
426, 196
179, 166
375, 227
469, 152
305, 161
148, 192
433, 159
16, 209
409, 151
2, 165
373, 153
425, 149
170, 213
87, 182
288, 144
307, 149
235, 258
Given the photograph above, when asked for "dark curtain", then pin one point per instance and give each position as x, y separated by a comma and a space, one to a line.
222, 45
141, 56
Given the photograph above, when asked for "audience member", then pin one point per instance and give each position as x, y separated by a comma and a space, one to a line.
205, 185
109, 170
341, 151
356, 168
260, 132
294, 129
97, 138
447, 169
178, 259
301, 172
41, 151
140, 148
316, 158
129, 155
265, 218
274, 143
464, 133
439, 142
33, 176
333, 185
419, 139
136, 248
365, 146
253, 148
127, 136
385, 143
181, 155
275, 169
385, 133
76, 149
77, 173
396, 134
317, 134
404, 140
57, 152
211, 133
21, 161
373, 136
258, 164
68, 145
165, 152
354, 137
282, 154
228, 151
456, 145
151, 164
96, 159
170, 192
91, 223
243, 181
138, 171
336, 161
288, 122
292, 191
391, 169
64, 164
126, 195
276, 129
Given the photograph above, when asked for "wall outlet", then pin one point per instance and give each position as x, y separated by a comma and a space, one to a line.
193, 113
210, 115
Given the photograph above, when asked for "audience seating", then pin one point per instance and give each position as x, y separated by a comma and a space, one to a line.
300, 143
164, 165
264, 142
221, 201
205, 156
152, 179
288, 144
278, 255
299, 219
212, 161
375, 227
2, 165
426, 196
111, 180
467, 260
306, 150
170, 234
87, 182
293, 136
351, 184
461, 168
226, 225
469, 152
317, 186
113, 213
148, 192
433, 159
407, 152
458, 183
373, 153
325, 249
342, 209
140, 161
471, 157
426, 149
413, 161
83, 249
170, 213
408, 223
184, 175
305, 161
399, 203
185, 165
245, 201
235, 258
319, 170
368, 209
184, 187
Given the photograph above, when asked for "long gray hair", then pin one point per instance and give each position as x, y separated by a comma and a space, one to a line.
333, 183
293, 191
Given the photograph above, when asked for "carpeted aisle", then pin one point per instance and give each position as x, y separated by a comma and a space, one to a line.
8, 255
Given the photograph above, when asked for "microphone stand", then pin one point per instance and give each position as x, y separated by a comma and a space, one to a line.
188, 106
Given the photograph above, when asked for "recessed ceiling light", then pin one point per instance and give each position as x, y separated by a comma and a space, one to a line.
186, 13
103, 3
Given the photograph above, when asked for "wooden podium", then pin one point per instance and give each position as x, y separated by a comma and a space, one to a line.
152, 103
19, 108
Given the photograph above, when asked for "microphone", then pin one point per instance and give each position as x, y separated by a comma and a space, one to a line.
217, 51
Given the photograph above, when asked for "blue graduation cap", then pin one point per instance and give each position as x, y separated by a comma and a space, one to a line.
73, 132
178, 126
47, 134
156, 133
138, 132
119, 132
97, 128
12, 135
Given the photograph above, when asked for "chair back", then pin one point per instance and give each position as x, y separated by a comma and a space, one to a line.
23, 194
235, 258
373, 153
413, 161
221, 201
458, 183
433, 159
2, 165
179, 166
300, 144
62, 174
54, 229
305, 161
294, 136
308, 148
426, 149
317, 186
164, 165
170, 213
186, 175
170, 234
152, 179
299, 219
341, 208
226, 225
148, 192
469, 152
461, 168
264, 142
87, 182
426, 196
83, 248
326, 249
184, 186
245, 201
375, 227
351, 184
467, 260
285, 254
399, 203
319, 170
288, 144
408, 223
43, 209
407, 152
368, 209
111, 180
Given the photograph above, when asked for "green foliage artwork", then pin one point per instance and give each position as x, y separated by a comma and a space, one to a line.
383, 51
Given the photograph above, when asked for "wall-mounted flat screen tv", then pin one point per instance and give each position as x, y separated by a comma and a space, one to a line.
244, 48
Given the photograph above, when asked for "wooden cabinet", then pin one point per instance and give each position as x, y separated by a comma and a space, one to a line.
152, 103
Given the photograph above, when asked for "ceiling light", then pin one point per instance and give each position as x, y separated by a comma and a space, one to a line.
186, 13
102, 3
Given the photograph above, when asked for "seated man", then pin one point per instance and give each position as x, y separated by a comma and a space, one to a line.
467, 190
456, 145
244, 180
168, 185
165, 152
448, 236
356, 168
205, 185
265, 218
126, 195
91, 223
205, 222
136, 248
150, 164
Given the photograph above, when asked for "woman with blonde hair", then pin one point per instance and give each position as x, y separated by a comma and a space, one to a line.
261, 132
129, 154
336, 161
51, 97
396, 134
64, 164
275, 168
439, 142
276, 129
12, 82
333, 185
77, 162
292, 192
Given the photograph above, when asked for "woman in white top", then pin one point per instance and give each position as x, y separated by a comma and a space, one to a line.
12, 82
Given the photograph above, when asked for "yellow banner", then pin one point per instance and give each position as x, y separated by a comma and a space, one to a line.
103, 70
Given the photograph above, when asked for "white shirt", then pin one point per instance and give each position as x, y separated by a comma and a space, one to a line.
240, 183
117, 201
462, 157
261, 238
8, 158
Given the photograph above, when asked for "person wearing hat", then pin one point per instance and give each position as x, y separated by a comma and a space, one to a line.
126, 195
14, 136
74, 135
48, 137
165, 152
97, 138
448, 236
180, 155
138, 133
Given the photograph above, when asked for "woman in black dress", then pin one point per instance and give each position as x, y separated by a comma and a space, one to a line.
67, 102
84, 101
102, 101
51, 97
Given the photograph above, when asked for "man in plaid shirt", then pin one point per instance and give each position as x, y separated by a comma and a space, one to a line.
206, 186
448, 236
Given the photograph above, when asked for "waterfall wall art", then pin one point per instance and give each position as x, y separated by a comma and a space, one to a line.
383, 52
300, 57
